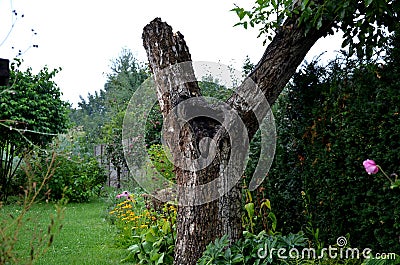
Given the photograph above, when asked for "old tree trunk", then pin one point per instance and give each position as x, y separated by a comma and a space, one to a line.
198, 225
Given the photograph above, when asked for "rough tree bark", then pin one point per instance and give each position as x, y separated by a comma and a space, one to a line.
164, 48
199, 225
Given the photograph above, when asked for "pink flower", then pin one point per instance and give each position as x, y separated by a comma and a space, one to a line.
125, 194
370, 166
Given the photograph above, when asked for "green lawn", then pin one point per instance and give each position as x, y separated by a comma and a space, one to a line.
86, 237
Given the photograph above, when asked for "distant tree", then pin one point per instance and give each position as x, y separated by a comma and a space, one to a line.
95, 112
127, 74
112, 137
31, 113
101, 114
91, 114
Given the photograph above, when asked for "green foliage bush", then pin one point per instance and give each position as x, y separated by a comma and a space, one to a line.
160, 161
31, 112
78, 175
329, 121
77, 178
252, 249
154, 126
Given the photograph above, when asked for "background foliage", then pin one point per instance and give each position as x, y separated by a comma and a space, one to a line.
77, 175
103, 111
330, 119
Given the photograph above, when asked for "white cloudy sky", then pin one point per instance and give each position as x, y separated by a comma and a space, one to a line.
82, 36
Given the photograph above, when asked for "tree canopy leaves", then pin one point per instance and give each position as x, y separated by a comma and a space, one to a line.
366, 24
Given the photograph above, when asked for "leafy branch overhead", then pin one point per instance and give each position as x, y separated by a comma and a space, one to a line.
365, 23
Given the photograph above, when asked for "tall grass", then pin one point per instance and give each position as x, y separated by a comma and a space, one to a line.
85, 239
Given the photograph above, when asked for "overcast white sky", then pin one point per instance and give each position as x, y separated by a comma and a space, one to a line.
83, 36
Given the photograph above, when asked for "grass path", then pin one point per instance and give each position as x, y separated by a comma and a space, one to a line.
85, 239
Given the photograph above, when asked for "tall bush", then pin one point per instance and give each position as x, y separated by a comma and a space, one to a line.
31, 113
78, 176
330, 120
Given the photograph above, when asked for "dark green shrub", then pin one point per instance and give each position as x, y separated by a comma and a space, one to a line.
31, 111
77, 178
78, 175
329, 121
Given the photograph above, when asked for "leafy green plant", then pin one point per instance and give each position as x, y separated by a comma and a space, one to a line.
215, 252
79, 176
251, 249
156, 246
391, 261
160, 160
312, 231
149, 235
367, 16
258, 217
